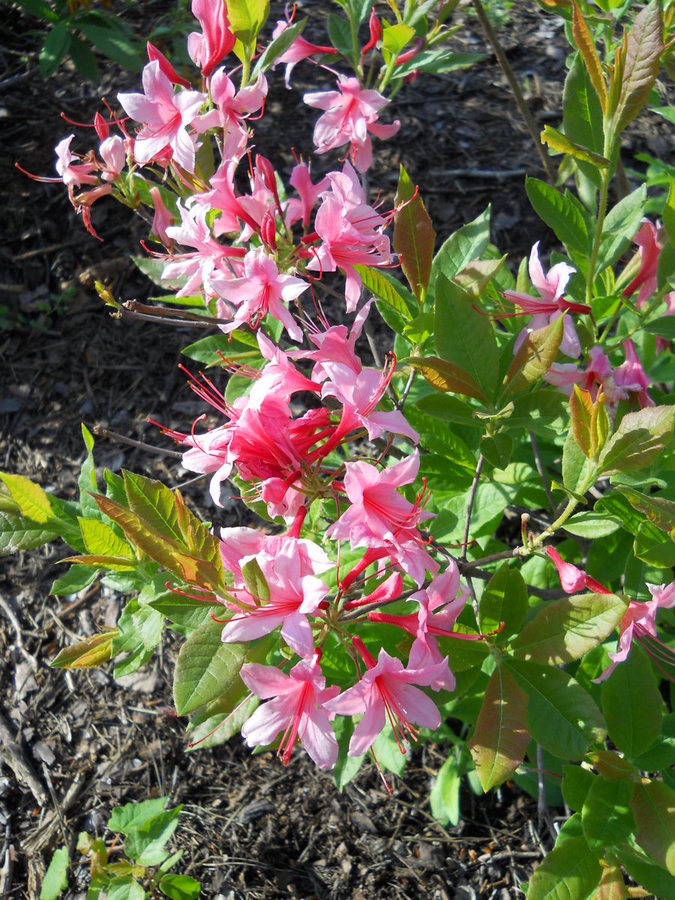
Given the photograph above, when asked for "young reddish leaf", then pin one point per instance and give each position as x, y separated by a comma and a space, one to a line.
659, 511
638, 441
581, 410
413, 235
653, 805
566, 629
88, 654
446, 376
612, 885
534, 358
641, 57
610, 765
475, 277
501, 737
584, 41
100, 561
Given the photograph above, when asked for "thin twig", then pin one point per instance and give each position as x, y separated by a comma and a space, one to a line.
370, 337
14, 622
100, 431
472, 498
515, 87
12, 755
542, 472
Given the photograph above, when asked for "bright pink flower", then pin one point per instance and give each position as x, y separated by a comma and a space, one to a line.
209, 48
309, 193
598, 373
630, 377
232, 107
350, 233
239, 545
292, 597
350, 117
300, 49
162, 218
645, 281
165, 116
379, 517
156, 55
386, 692
298, 706
262, 290
639, 623
374, 36
572, 579
550, 304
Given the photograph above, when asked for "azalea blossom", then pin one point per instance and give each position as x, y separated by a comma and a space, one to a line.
73, 174
300, 49
165, 115
350, 117
232, 106
387, 692
216, 40
262, 290
630, 377
573, 579
295, 703
639, 624
301, 209
550, 304
648, 240
616, 384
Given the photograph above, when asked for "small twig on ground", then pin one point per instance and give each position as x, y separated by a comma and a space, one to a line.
13, 755
100, 431
16, 625
62, 824
515, 87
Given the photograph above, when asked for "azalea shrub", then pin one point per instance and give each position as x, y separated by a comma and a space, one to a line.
467, 535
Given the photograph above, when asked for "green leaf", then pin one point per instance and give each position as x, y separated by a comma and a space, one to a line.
653, 806
659, 510
620, 226
277, 47
112, 42
465, 337
575, 786
125, 818
561, 213
153, 502
590, 525
101, 540
56, 876
124, 888
562, 716
346, 767
246, 18
18, 533
632, 704
606, 817
643, 50
86, 481
84, 59
501, 737
570, 872
206, 667
559, 143
180, 887
653, 878
445, 376
566, 629
582, 113
534, 358
145, 843
213, 350
413, 234
54, 49
388, 752
87, 654
503, 603
387, 289
437, 62
32, 502
396, 37
465, 245
255, 580
76, 579
340, 35
445, 793
654, 547
638, 441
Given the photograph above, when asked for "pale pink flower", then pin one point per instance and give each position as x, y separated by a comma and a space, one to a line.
162, 218
239, 545
262, 290
550, 304
297, 704
73, 174
300, 49
387, 692
630, 377
165, 116
380, 517
309, 193
114, 156
350, 117
598, 373
639, 624
216, 41
232, 107
648, 240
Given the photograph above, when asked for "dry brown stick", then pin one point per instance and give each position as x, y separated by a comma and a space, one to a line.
515, 87
13, 755
16, 625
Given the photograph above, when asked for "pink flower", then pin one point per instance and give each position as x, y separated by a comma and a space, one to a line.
162, 218
114, 156
630, 377
262, 290
645, 281
298, 706
550, 304
309, 193
232, 107
387, 692
379, 517
300, 49
350, 117
165, 116
209, 48
165, 66
572, 579
73, 176
639, 623
292, 597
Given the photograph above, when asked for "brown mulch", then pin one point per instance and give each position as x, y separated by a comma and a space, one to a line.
74, 745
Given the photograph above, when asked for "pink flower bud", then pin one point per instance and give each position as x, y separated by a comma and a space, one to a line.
155, 55
101, 127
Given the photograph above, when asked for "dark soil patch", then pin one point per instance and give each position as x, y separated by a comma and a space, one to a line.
251, 828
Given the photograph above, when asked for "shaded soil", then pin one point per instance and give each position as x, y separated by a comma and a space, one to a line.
251, 828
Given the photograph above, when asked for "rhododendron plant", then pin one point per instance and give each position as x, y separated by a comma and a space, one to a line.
411, 490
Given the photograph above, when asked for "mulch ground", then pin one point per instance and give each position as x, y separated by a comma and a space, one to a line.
74, 745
